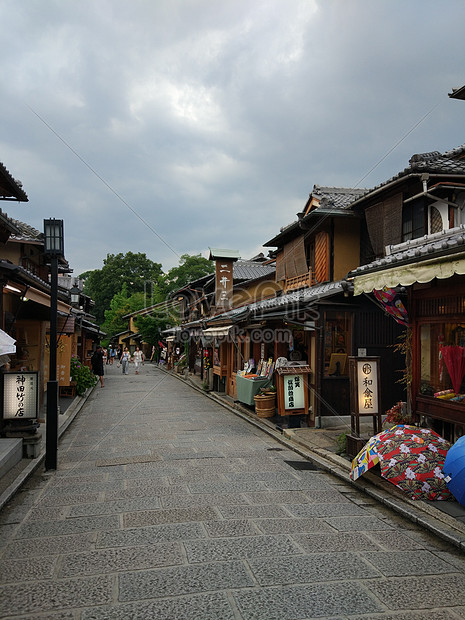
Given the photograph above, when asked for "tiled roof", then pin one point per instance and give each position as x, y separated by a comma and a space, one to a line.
417, 250
251, 270
27, 232
10, 188
336, 197
451, 162
307, 296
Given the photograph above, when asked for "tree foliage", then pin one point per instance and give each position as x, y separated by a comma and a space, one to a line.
136, 271
190, 268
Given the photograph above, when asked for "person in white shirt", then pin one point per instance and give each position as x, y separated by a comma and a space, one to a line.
138, 359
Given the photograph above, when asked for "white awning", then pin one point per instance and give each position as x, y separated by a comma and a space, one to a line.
39, 297
217, 331
409, 274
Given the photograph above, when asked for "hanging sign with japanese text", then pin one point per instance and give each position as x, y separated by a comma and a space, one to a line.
367, 386
224, 283
20, 395
294, 397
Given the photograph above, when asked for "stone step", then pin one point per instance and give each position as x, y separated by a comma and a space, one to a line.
11, 452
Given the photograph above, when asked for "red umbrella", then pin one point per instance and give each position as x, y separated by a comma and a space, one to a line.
413, 460
454, 359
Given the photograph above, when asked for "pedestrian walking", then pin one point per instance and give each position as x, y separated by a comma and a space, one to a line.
125, 359
112, 354
97, 363
119, 353
138, 359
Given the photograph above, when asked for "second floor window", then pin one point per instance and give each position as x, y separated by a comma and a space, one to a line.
413, 220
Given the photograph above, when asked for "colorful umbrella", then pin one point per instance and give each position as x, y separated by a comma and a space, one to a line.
454, 470
454, 359
413, 461
368, 455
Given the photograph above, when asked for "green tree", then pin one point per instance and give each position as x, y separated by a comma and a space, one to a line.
136, 271
190, 268
121, 305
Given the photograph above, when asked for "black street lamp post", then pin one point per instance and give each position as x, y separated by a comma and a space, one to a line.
53, 248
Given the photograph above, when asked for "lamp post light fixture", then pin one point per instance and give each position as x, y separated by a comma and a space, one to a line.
53, 248
75, 295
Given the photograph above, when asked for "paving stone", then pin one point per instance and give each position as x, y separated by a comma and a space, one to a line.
66, 499
324, 510
152, 491
176, 515
46, 595
326, 497
122, 559
229, 549
392, 540
226, 487
310, 568
116, 507
289, 526
27, 569
150, 535
30, 547
68, 526
413, 615
357, 524
252, 512
230, 528
204, 607
277, 497
199, 499
313, 601
334, 541
403, 563
420, 592
183, 580
298, 485
54, 615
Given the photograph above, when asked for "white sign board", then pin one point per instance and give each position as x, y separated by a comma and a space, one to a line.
294, 396
367, 386
20, 395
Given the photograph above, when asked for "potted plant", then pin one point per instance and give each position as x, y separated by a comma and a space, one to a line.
397, 414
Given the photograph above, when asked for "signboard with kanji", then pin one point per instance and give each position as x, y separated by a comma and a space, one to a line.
20, 395
294, 397
364, 391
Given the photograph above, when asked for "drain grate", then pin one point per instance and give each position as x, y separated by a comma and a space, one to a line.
302, 465
274, 449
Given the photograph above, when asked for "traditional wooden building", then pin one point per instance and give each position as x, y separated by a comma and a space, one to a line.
414, 262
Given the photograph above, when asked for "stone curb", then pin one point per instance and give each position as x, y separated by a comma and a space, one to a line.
70, 415
438, 523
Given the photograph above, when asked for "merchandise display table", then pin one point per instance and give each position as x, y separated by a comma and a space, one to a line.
248, 388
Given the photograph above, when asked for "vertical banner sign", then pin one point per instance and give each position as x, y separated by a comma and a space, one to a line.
20, 395
64, 348
294, 397
224, 283
367, 386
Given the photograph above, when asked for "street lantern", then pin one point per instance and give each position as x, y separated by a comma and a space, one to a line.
75, 295
53, 235
53, 248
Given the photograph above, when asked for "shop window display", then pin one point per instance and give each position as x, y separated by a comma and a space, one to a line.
442, 361
337, 343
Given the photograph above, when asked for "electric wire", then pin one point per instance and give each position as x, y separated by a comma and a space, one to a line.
107, 185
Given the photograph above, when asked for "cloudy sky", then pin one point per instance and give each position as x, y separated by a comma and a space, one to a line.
171, 126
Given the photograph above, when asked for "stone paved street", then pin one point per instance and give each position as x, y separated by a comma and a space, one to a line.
168, 506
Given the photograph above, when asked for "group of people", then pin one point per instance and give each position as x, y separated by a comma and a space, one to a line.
99, 359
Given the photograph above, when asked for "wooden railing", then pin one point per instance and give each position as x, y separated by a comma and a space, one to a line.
301, 281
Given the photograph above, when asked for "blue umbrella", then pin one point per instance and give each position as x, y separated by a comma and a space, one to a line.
454, 470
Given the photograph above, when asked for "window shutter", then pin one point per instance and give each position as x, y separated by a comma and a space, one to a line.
280, 267
294, 258
321, 257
